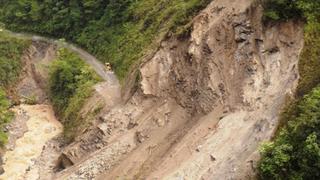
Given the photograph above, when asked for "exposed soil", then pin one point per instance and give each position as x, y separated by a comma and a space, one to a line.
203, 104
35, 141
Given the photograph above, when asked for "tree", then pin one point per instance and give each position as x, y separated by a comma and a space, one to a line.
295, 153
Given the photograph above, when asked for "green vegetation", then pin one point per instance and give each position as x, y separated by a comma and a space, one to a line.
119, 32
11, 50
287, 9
309, 64
5, 116
70, 84
281, 9
32, 100
295, 151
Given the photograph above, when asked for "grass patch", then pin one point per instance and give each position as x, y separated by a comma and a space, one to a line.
32, 100
70, 85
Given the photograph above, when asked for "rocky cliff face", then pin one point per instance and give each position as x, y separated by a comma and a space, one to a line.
203, 105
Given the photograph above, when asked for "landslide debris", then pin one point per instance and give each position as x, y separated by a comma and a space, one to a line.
202, 105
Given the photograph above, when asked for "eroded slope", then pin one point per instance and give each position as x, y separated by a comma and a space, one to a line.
203, 105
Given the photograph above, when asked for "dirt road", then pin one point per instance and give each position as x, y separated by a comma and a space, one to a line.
108, 76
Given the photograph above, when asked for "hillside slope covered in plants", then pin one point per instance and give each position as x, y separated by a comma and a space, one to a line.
119, 32
71, 83
11, 51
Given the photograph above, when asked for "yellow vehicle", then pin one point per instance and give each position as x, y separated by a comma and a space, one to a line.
107, 66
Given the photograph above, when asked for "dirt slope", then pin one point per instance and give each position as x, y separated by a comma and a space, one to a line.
203, 105
201, 108
25, 158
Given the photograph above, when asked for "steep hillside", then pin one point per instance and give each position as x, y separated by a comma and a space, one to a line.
70, 85
11, 51
119, 32
204, 84
294, 153
50, 73
203, 104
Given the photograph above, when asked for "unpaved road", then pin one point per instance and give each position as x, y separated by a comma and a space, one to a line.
108, 76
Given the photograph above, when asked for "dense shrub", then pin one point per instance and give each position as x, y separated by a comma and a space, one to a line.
5, 116
11, 50
288, 9
295, 153
119, 32
281, 9
70, 84
309, 64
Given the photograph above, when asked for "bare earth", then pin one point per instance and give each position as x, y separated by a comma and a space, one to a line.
203, 105
201, 108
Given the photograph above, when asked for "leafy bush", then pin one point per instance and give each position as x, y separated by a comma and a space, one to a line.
11, 50
70, 84
295, 153
5, 116
119, 32
288, 9
281, 9
309, 64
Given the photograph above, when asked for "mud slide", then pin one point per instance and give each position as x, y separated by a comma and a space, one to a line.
34, 141
42, 126
203, 105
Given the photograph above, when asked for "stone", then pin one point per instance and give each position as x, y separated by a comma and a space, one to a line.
1, 170
140, 137
132, 125
212, 157
198, 148
160, 122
